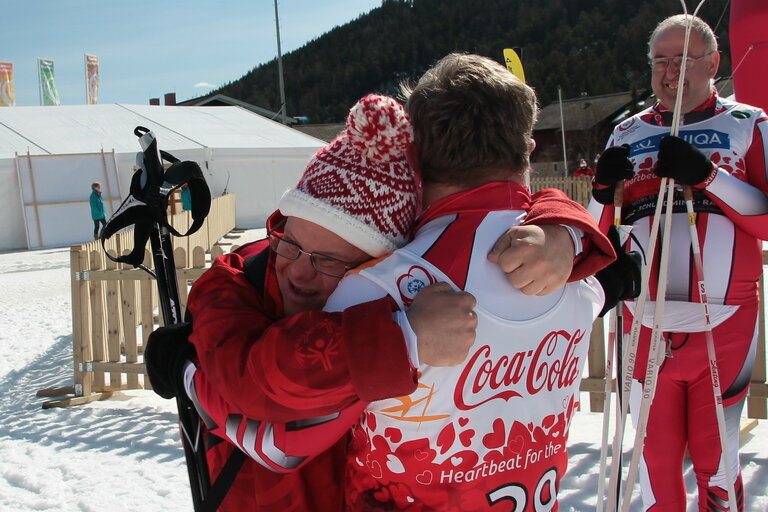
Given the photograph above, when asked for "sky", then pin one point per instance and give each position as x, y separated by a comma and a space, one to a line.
124, 454
147, 48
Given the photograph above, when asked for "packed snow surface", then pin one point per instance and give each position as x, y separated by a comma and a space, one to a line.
123, 454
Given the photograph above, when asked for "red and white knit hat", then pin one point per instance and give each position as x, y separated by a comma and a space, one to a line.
360, 186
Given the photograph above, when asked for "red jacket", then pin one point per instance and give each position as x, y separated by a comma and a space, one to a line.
267, 370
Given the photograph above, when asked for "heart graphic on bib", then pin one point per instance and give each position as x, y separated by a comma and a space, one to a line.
424, 478
409, 284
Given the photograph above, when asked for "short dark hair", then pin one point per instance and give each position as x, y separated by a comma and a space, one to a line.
95, 184
472, 119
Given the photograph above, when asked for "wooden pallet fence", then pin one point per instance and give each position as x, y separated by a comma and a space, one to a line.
579, 189
115, 307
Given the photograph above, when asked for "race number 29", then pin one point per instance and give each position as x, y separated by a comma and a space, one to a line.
517, 494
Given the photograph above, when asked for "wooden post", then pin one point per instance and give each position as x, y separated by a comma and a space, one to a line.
81, 325
180, 258
129, 299
96, 292
114, 325
146, 313
596, 364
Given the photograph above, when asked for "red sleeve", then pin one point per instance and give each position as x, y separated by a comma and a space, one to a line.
279, 447
309, 365
552, 206
756, 169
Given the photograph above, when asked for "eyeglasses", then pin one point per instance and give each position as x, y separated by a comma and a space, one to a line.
662, 63
324, 264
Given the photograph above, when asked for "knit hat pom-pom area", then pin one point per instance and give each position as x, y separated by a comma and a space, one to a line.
378, 128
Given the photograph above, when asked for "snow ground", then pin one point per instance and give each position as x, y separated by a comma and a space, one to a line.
123, 454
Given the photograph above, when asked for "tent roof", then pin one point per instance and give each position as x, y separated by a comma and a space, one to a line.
91, 128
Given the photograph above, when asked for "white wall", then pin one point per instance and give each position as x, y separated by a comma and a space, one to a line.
258, 180
258, 177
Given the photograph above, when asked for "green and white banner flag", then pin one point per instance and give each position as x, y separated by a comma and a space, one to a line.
48, 93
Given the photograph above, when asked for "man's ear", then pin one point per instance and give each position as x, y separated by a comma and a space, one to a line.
413, 158
531, 146
714, 64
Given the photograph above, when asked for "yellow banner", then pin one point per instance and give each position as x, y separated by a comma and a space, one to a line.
7, 97
512, 59
91, 79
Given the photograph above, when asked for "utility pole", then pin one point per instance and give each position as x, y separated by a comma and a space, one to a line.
562, 130
283, 118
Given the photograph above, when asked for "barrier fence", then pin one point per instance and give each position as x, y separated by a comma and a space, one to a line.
114, 309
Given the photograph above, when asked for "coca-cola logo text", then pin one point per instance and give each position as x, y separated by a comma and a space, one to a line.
548, 366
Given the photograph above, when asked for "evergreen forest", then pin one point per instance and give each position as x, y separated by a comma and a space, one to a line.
582, 46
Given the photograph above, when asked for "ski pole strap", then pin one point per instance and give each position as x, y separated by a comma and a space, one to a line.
189, 173
223, 482
147, 203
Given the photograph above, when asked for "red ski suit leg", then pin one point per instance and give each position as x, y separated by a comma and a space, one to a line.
683, 413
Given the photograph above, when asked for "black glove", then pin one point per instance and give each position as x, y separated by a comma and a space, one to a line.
613, 166
684, 162
165, 354
621, 279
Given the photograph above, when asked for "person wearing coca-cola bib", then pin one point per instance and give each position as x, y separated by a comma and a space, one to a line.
493, 429
279, 383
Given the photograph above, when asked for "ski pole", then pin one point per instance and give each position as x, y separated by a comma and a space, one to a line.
713, 369
189, 420
629, 354
656, 349
655, 354
614, 333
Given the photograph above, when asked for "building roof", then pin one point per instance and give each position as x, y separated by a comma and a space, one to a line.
326, 132
218, 100
585, 112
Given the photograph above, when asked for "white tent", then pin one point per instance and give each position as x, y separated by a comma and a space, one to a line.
50, 155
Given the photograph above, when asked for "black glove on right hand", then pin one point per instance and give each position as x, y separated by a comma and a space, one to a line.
166, 352
613, 166
621, 279
684, 162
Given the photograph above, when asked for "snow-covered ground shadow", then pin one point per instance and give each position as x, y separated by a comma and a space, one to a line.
121, 426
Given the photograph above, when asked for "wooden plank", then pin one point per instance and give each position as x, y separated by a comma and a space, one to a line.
146, 317
180, 258
114, 324
81, 314
51, 392
137, 274
129, 329
77, 400
97, 317
119, 367
594, 385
